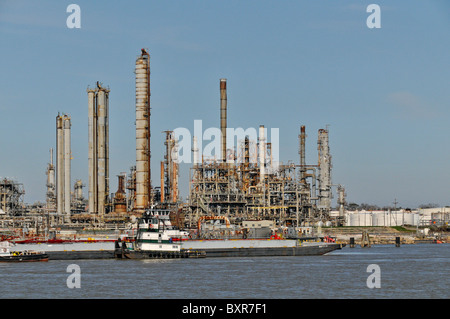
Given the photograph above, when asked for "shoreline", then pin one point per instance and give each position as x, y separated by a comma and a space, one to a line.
382, 235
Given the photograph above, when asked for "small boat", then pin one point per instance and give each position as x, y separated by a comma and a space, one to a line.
6, 255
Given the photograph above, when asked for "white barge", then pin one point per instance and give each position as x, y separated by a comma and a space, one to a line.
157, 238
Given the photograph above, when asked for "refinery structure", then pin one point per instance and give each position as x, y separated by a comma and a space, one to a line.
244, 182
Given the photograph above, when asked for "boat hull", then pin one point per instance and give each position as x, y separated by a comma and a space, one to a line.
24, 258
153, 254
234, 248
310, 250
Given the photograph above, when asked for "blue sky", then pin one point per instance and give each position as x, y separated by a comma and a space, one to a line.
383, 92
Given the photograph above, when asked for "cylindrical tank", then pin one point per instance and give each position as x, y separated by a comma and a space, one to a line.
59, 165
67, 159
101, 150
92, 151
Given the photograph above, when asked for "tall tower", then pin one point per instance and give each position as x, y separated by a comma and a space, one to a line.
63, 158
262, 153
301, 151
143, 173
169, 170
98, 153
325, 194
67, 160
59, 165
223, 117
51, 187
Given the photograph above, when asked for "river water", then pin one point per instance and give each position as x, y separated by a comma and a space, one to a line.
419, 271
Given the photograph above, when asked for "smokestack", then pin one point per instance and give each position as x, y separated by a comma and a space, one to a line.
223, 117
143, 175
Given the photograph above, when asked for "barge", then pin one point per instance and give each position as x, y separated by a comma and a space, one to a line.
6, 255
157, 238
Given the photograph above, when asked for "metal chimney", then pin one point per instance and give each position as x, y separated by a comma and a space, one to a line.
223, 117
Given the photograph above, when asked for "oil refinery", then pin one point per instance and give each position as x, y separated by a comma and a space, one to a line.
244, 182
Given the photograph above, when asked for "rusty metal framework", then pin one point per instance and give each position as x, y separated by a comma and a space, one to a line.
251, 186
237, 192
11, 197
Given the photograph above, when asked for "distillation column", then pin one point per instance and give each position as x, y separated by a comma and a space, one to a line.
262, 153
63, 158
302, 138
98, 155
101, 151
341, 200
59, 165
51, 196
143, 176
324, 171
169, 170
92, 151
67, 159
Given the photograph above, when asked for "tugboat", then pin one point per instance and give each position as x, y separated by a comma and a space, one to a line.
20, 256
156, 237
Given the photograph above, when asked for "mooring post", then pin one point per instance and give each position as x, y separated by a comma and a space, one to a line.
397, 241
352, 242
365, 239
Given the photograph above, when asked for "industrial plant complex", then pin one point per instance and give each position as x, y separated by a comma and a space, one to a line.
242, 183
